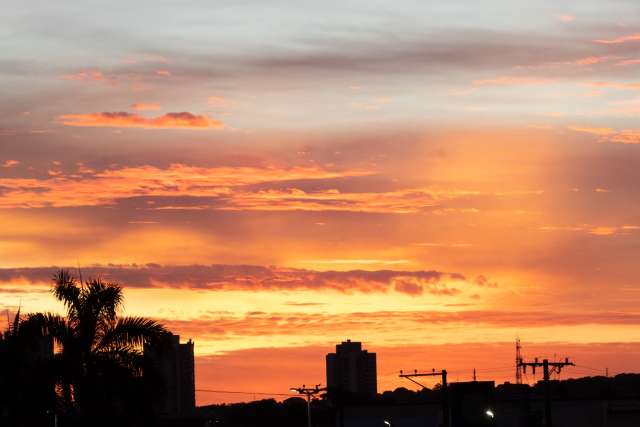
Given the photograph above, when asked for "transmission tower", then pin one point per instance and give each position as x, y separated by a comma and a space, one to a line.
518, 362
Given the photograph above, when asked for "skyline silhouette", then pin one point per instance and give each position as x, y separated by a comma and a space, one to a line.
97, 367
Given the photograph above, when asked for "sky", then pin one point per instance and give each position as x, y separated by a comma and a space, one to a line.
270, 178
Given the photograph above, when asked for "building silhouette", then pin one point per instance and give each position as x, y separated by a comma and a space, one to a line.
351, 369
170, 376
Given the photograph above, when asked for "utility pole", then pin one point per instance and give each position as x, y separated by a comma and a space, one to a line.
445, 390
518, 361
310, 393
555, 367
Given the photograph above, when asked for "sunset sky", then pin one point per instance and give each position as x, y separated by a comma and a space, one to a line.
270, 178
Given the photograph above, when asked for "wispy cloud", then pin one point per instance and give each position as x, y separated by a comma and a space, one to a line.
182, 120
627, 136
620, 40
177, 180
10, 163
259, 278
323, 324
596, 230
512, 81
92, 75
590, 60
628, 62
143, 106
616, 85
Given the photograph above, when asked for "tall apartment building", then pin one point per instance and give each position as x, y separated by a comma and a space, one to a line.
352, 369
170, 371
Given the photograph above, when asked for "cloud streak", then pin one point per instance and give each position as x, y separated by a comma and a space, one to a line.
513, 81
323, 324
620, 40
182, 120
257, 278
626, 136
219, 187
142, 106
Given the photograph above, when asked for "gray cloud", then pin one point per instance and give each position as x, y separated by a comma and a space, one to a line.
248, 277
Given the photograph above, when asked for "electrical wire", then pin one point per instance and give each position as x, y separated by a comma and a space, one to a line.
202, 390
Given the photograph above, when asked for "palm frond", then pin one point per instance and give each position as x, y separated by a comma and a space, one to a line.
131, 331
103, 299
67, 291
41, 324
15, 327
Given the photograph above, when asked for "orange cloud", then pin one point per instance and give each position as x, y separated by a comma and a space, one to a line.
182, 120
326, 324
567, 18
629, 62
596, 230
615, 85
233, 189
622, 39
141, 106
594, 131
590, 60
88, 75
108, 186
512, 81
164, 73
627, 136
603, 231
10, 163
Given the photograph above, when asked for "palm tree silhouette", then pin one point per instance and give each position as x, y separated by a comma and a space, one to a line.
96, 346
26, 378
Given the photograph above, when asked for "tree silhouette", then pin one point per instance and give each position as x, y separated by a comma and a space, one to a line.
26, 378
99, 352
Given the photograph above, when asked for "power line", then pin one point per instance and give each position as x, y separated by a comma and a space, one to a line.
555, 367
310, 393
591, 368
202, 390
445, 390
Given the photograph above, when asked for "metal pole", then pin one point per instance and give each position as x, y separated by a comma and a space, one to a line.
308, 410
547, 394
445, 400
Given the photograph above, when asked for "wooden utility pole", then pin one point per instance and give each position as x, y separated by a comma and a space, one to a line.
446, 416
555, 367
310, 393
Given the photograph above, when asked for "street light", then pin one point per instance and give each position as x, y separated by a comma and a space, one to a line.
387, 423
490, 413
